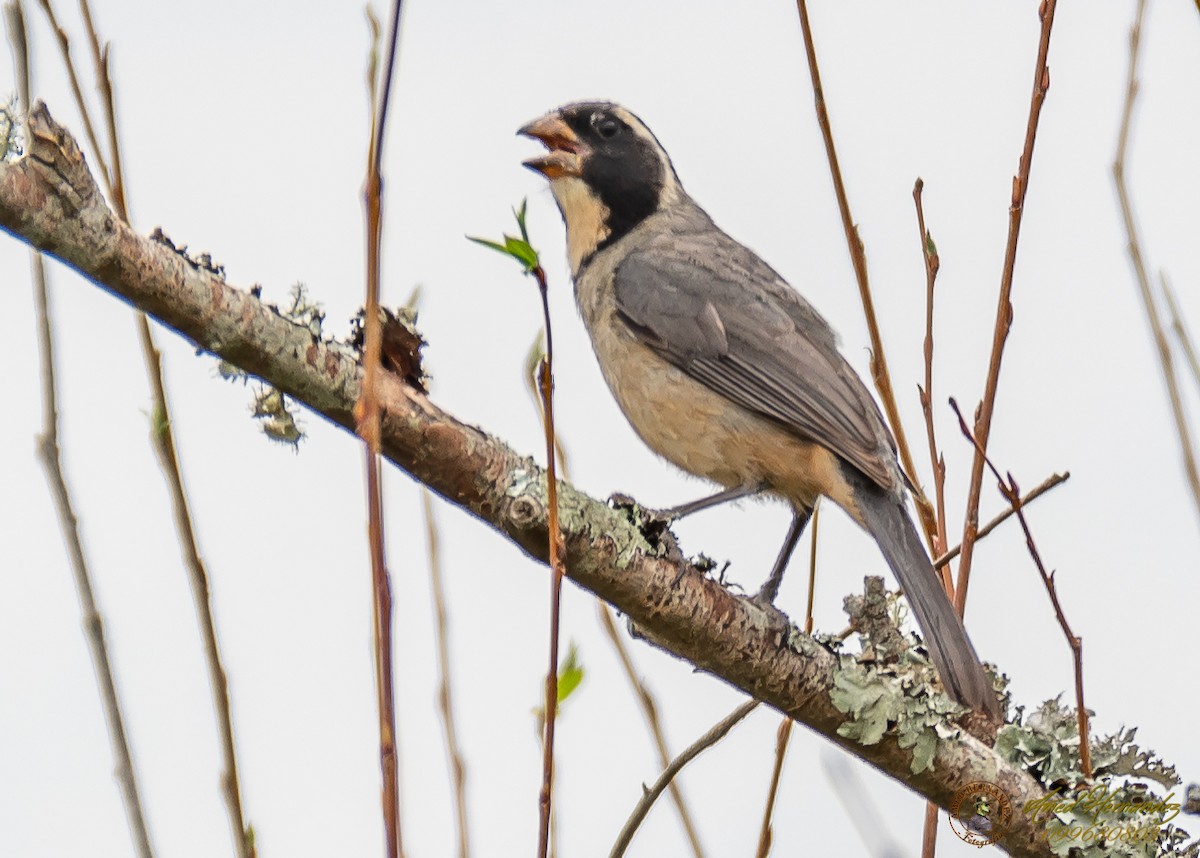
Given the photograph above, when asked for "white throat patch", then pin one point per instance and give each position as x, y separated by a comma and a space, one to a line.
585, 218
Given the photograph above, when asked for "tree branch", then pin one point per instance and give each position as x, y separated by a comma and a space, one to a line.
49, 200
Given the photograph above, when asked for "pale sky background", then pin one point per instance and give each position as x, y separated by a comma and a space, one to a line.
244, 126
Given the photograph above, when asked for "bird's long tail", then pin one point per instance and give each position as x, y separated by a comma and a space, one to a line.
945, 638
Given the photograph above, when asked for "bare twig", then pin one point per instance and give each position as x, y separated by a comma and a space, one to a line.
766, 832
936, 461
1153, 314
164, 445
650, 711
1186, 343
929, 831
162, 434
368, 414
1033, 494
51, 456
649, 796
1004, 309
879, 367
108, 99
546, 386
1012, 493
441, 631
814, 529
541, 380
641, 691
64, 47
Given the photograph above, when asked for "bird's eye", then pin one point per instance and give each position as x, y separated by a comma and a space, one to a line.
605, 125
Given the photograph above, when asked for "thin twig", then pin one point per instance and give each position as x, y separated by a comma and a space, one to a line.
929, 831
766, 831
441, 633
108, 99
649, 796
51, 456
1153, 314
164, 446
368, 415
1047, 484
556, 551
936, 461
814, 528
1033, 494
89, 130
650, 711
1186, 343
1012, 493
879, 366
1004, 309
641, 691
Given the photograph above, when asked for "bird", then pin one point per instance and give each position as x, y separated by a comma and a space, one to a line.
724, 369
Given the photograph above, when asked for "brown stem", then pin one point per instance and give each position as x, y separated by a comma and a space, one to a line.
1153, 314
879, 366
641, 691
51, 456
1004, 309
1186, 343
650, 710
936, 462
441, 632
765, 834
1033, 494
546, 386
368, 426
649, 796
162, 435
929, 831
1012, 493
89, 130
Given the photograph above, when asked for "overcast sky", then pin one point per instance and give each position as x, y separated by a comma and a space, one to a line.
244, 133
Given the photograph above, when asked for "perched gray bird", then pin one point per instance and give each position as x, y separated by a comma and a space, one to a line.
722, 368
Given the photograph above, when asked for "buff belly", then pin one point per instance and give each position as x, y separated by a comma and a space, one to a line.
704, 433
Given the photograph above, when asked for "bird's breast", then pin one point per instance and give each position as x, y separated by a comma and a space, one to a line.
690, 425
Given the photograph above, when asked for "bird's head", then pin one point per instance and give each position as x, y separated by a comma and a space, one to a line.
607, 171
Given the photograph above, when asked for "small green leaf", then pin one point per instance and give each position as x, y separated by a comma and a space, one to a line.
570, 675
519, 249
486, 243
520, 215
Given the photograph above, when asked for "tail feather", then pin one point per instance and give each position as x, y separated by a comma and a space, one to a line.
963, 676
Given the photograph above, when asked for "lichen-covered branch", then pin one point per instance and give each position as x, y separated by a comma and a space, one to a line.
49, 200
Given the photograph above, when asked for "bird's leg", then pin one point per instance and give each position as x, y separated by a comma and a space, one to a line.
767, 593
685, 509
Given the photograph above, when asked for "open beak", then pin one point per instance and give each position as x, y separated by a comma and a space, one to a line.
566, 153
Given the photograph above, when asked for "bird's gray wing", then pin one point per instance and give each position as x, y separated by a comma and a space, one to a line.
718, 312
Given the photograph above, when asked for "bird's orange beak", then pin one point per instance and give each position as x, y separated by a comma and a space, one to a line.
566, 152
